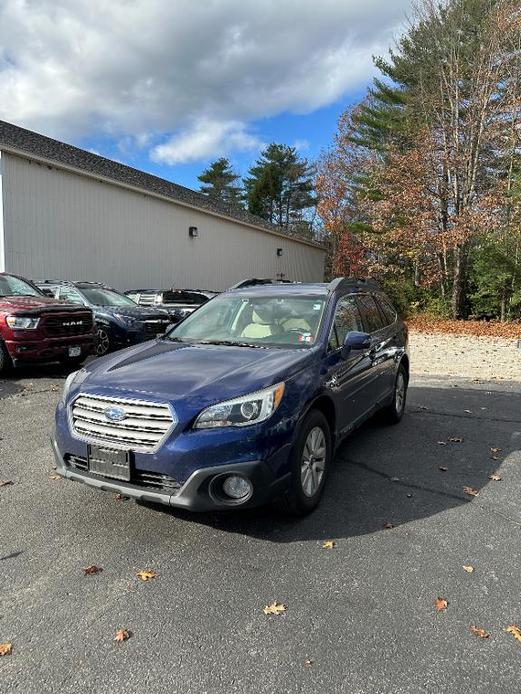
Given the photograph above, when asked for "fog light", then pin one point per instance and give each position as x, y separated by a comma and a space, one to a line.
237, 487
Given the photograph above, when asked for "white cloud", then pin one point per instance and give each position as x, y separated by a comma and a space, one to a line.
133, 69
205, 139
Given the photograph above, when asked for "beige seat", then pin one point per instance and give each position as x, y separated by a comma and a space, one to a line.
257, 329
297, 324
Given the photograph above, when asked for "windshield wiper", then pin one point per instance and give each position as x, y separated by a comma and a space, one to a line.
231, 343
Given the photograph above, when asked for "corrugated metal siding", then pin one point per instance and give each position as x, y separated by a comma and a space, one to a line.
62, 225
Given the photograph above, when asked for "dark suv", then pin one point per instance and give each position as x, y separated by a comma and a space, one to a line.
36, 328
120, 322
243, 402
179, 303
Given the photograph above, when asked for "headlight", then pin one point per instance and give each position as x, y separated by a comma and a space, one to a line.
75, 377
249, 409
21, 323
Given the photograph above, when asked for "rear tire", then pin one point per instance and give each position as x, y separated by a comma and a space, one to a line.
310, 461
393, 413
5, 359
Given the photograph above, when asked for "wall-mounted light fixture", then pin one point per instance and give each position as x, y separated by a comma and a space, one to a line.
279, 251
193, 232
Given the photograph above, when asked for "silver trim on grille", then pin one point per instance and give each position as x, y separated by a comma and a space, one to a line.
143, 430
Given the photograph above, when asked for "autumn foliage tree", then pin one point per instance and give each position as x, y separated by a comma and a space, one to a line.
422, 173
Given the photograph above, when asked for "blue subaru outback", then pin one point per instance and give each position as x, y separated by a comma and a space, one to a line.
242, 403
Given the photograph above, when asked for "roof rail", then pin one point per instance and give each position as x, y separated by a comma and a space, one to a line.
256, 281
353, 282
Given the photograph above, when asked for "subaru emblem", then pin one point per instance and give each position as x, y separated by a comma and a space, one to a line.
115, 414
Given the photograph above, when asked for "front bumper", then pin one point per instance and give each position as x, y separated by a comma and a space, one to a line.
196, 494
48, 349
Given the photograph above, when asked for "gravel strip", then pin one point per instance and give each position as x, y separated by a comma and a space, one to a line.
465, 356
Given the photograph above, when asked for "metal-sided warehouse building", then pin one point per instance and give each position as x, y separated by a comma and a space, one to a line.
66, 213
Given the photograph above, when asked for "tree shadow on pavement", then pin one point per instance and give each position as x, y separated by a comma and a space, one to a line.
397, 474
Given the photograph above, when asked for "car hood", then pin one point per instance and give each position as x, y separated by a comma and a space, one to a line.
29, 302
206, 373
131, 312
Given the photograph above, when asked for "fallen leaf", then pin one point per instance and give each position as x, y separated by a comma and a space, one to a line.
443, 468
89, 570
494, 478
120, 497
274, 608
328, 544
388, 526
494, 457
470, 491
440, 604
146, 574
515, 631
478, 631
122, 635
308, 663
468, 568
55, 477
456, 439
6, 648
495, 450
5, 483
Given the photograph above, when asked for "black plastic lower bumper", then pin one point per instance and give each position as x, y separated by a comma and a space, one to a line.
199, 493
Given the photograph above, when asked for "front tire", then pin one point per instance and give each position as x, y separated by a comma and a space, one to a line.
311, 458
393, 413
103, 343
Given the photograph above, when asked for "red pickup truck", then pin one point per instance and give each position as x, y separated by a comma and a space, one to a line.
36, 328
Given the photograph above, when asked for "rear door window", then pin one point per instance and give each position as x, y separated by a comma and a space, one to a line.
347, 318
371, 316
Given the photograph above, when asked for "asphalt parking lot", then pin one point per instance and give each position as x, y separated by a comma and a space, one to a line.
360, 617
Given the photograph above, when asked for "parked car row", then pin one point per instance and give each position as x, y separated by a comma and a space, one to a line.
58, 320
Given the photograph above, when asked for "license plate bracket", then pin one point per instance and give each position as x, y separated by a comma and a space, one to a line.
109, 462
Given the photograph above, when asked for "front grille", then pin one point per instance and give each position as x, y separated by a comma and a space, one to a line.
61, 326
144, 427
152, 480
147, 300
153, 327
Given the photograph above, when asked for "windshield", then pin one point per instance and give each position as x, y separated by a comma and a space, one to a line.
179, 296
254, 321
14, 286
106, 297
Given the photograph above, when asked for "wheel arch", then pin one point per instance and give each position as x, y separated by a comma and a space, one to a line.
326, 406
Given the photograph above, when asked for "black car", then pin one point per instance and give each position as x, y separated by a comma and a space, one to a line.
120, 322
179, 303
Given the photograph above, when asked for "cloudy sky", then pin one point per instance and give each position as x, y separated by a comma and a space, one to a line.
169, 85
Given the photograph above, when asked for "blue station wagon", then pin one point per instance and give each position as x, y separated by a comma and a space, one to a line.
242, 403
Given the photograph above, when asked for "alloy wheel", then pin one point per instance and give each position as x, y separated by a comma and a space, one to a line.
102, 342
399, 392
313, 461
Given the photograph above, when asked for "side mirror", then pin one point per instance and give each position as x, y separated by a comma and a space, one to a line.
355, 341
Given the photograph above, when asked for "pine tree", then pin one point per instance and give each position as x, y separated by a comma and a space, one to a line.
280, 187
219, 183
